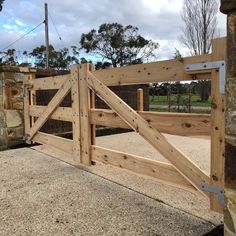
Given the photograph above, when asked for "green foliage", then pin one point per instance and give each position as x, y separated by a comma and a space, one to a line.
120, 45
61, 59
195, 100
8, 57
102, 65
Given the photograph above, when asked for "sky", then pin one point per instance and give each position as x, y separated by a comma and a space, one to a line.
158, 20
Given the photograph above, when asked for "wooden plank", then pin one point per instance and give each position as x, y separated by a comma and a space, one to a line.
162, 172
92, 105
53, 104
181, 162
60, 113
60, 143
140, 99
217, 140
85, 129
93, 126
47, 83
184, 124
56, 153
219, 49
179, 123
155, 72
75, 112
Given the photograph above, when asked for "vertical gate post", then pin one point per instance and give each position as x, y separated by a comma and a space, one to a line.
92, 105
85, 127
75, 112
229, 7
217, 139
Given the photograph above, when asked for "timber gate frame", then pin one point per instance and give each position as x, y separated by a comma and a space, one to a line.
84, 83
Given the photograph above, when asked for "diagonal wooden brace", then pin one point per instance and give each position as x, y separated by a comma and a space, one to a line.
53, 104
181, 162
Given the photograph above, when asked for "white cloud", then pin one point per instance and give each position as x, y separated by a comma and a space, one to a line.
19, 23
158, 20
8, 27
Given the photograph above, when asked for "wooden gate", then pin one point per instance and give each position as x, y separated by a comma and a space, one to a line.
83, 83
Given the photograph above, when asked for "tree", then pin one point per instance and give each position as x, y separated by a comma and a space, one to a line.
1, 2
200, 23
61, 59
102, 65
9, 57
120, 45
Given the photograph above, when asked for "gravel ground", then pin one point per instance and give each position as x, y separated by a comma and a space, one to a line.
197, 149
44, 196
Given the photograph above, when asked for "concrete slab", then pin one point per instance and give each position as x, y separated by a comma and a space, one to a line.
43, 196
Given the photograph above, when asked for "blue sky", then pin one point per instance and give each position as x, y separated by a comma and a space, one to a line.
156, 19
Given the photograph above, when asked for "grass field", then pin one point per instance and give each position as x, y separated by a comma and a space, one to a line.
184, 100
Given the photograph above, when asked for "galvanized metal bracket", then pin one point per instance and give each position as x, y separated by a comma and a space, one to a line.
2, 83
25, 89
26, 137
220, 65
213, 189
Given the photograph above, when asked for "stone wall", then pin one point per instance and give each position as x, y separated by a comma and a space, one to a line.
11, 105
229, 7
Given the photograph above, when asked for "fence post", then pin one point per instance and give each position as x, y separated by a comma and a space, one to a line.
92, 105
140, 99
217, 139
85, 127
75, 112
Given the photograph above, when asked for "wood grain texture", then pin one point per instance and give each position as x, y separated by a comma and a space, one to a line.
162, 172
60, 113
52, 82
184, 124
155, 72
181, 162
85, 128
217, 140
75, 112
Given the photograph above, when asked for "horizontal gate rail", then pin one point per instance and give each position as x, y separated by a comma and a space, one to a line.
48, 83
185, 124
164, 172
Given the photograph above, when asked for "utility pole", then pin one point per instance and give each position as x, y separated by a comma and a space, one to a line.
229, 7
46, 34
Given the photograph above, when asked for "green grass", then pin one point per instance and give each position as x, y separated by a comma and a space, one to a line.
3, 147
198, 111
184, 100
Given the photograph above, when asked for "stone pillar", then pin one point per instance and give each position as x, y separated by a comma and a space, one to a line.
229, 7
11, 105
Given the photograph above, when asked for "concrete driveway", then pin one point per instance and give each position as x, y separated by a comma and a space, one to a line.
40, 195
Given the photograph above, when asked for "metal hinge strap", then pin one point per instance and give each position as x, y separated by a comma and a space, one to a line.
213, 189
25, 89
221, 65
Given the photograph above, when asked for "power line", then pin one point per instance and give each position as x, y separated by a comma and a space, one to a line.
54, 25
22, 36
